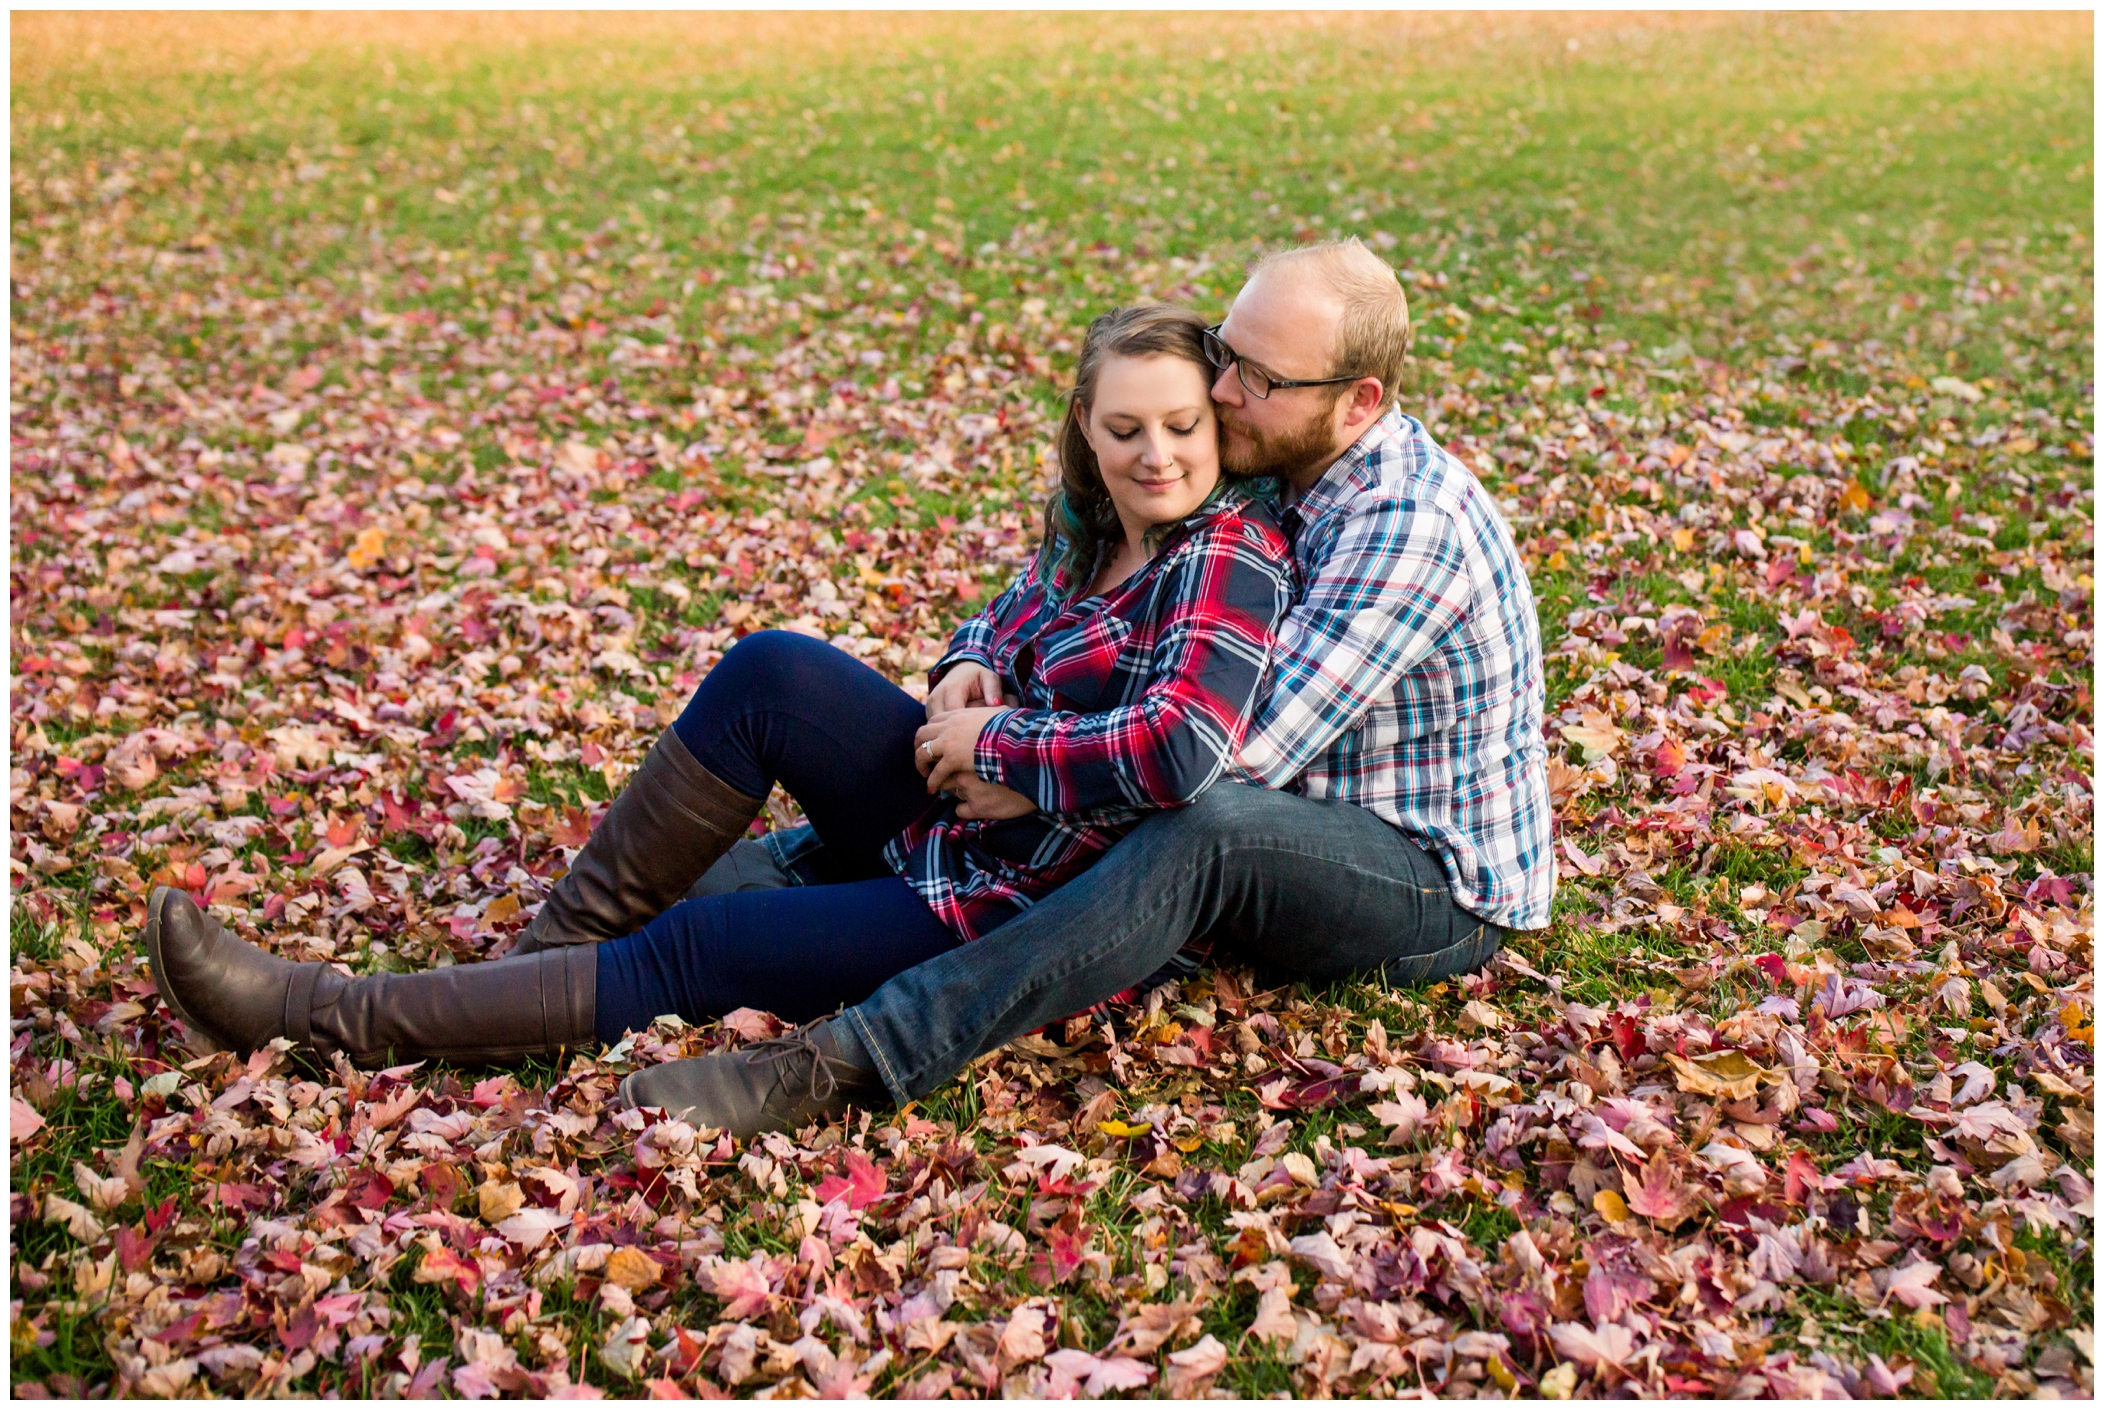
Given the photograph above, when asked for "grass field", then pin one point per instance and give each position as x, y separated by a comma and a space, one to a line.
408, 411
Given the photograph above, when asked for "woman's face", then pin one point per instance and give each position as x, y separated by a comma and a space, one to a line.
1155, 437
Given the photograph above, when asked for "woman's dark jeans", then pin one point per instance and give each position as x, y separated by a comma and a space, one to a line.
784, 708
1320, 889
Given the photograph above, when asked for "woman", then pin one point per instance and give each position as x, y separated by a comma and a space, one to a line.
1133, 647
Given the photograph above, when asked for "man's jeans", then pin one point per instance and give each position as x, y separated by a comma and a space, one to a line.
1321, 890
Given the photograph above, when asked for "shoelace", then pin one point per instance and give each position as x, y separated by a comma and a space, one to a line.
798, 1043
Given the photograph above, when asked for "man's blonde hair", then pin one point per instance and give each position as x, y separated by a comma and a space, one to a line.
1373, 335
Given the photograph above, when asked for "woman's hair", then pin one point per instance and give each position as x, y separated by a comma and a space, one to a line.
1080, 519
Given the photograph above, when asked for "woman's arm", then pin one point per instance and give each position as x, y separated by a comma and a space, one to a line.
973, 640
1229, 589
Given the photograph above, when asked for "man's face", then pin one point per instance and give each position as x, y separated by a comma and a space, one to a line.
1288, 328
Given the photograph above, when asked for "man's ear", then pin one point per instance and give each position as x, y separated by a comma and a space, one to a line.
1362, 404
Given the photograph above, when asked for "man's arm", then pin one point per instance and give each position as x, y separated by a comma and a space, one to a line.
1394, 582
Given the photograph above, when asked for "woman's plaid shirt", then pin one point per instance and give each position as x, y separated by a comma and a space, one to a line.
1132, 700
1408, 678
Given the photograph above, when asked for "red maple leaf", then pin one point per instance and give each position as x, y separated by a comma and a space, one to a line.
1800, 1177
862, 1183
398, 813
1066, 1245
573, 828
135, 1249
444, 1265
1659, 1194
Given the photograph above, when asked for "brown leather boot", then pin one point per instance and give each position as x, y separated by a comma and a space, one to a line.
240, 997
670, 824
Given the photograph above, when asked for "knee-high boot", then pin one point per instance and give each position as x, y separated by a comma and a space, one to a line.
670, 824
240, 997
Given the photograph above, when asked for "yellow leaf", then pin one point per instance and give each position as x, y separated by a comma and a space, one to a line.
1557, 562
1122, 1130
499, 1200
367, 549
1610, 1206
501, 910
1683, 540
633, 1269
1501, 1373
1728, 1074
1477, 1014
1855, 497
1596, 737
1956, 387
1189, 1144
330, 858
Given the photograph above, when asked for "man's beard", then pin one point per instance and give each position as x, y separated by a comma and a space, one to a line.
1307, 447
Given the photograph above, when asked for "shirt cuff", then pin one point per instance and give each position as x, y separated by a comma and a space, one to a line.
987, 757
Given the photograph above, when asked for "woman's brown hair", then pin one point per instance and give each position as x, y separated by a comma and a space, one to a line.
1080, 520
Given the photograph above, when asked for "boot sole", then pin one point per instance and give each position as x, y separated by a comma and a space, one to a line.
211, 1041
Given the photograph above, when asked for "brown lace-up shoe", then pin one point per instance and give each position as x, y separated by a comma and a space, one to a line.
781, 1084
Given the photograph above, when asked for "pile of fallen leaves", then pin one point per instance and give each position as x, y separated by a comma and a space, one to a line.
345, 599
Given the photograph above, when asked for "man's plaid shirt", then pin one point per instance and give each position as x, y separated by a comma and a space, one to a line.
1408, 678
1132, 700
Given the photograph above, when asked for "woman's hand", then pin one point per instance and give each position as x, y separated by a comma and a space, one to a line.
946, 747
979, 800
965, 685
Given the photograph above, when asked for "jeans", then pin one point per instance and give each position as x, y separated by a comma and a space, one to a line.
799, 952
1322, 890
783, 708
789, 709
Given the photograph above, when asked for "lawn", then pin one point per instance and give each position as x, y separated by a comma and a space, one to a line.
407, 413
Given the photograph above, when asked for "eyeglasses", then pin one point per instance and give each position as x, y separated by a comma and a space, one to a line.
1257, 382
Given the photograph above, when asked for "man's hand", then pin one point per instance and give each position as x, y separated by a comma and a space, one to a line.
944, 748
967, 684
982, 801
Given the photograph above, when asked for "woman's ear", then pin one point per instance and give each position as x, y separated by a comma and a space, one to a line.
1088, 427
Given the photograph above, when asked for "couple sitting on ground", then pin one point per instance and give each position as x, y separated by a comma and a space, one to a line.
1273, 683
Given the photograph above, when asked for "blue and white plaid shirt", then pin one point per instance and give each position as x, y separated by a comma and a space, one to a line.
1408, 678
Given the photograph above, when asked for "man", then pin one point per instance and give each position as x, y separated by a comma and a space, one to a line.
1405, 826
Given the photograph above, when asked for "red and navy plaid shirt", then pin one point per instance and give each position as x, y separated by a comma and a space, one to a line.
1133, 700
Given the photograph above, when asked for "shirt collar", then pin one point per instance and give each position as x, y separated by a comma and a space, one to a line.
1351, 471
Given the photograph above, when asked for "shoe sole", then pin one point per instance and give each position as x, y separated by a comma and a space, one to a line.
204, 1035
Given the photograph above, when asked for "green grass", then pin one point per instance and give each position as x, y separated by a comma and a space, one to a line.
1732, 188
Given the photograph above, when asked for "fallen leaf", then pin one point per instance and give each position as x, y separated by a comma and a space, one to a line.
633, 1269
